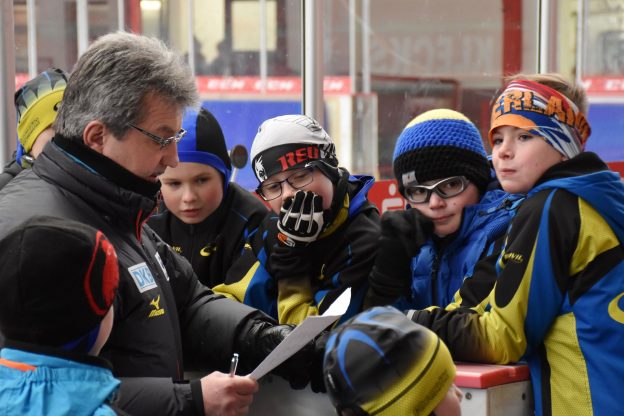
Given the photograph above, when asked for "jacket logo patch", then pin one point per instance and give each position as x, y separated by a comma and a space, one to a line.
208, 250
615, 310
142, 276
513, 257
157, 311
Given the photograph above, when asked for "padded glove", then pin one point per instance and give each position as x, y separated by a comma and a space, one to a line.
403, 233
301, 219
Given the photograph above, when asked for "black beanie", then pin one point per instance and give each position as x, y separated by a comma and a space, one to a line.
58, 279
439, 144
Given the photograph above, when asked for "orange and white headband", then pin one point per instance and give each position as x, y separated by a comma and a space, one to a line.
544, 112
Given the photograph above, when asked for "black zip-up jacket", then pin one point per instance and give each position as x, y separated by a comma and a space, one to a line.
212, 245
10, 171
160, 306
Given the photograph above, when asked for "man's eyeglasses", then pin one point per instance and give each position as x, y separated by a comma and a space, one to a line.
163, 142
446, 188
300, 178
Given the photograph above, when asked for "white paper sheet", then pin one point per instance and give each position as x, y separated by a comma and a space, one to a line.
302, 334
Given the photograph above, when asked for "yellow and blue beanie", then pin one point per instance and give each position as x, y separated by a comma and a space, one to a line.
381, 363
37, 103
439, 144
204, 143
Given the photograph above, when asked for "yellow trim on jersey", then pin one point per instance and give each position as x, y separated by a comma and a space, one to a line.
294, 301
595, 237
503, 327
569, 381
237, 290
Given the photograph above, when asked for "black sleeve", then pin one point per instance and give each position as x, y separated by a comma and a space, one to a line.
156, 396
210, 324
476, 288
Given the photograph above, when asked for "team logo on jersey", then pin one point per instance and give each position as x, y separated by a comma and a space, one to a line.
513, 257
177, 249
615, 310
157, 311
208, 250
142, 276
162, 265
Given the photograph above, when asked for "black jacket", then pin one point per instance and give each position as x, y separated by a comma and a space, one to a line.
10, 171
160, 306
212, 245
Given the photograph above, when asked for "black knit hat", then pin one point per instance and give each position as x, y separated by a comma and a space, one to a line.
380, 362
439, 144
204, 142
58, 279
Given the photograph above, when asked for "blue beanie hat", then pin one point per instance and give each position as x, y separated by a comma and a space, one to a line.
439, 144
204, 143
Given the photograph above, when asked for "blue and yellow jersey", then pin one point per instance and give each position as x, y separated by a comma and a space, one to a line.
558, 296
291, 284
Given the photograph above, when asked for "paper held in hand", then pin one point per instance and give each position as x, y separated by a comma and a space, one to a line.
302, 334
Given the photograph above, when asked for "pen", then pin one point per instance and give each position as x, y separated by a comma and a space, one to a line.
233, 364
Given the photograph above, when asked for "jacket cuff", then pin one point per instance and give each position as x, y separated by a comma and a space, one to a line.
197, 396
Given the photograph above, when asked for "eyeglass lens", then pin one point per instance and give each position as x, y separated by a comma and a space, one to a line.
297, 180
446, 188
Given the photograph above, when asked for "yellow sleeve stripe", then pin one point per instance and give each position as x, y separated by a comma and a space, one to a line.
237, 290
595, 237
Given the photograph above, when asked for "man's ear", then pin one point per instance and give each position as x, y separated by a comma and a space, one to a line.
95, 135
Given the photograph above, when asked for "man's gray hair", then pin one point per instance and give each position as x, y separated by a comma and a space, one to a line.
113, 77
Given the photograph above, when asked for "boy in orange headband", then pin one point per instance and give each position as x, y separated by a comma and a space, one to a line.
558, 301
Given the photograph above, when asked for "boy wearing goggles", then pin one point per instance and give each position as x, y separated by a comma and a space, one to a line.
452, 220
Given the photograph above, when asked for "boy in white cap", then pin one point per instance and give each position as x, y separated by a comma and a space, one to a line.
323, 237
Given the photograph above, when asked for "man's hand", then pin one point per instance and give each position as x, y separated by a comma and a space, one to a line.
227, 396
301, 219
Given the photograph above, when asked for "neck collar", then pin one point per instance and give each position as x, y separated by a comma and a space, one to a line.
106, 167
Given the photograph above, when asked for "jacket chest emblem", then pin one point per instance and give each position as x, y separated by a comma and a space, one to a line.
157, 311
208, 250
142, 276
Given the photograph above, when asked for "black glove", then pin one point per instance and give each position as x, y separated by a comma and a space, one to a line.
263, 337
290, 262
301, 219
403, 233
317, 381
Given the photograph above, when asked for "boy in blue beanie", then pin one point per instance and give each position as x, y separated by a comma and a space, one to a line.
323, 236
207, 218
426, 251
558, 301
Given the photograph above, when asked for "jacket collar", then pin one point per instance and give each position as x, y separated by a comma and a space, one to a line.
107, 167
